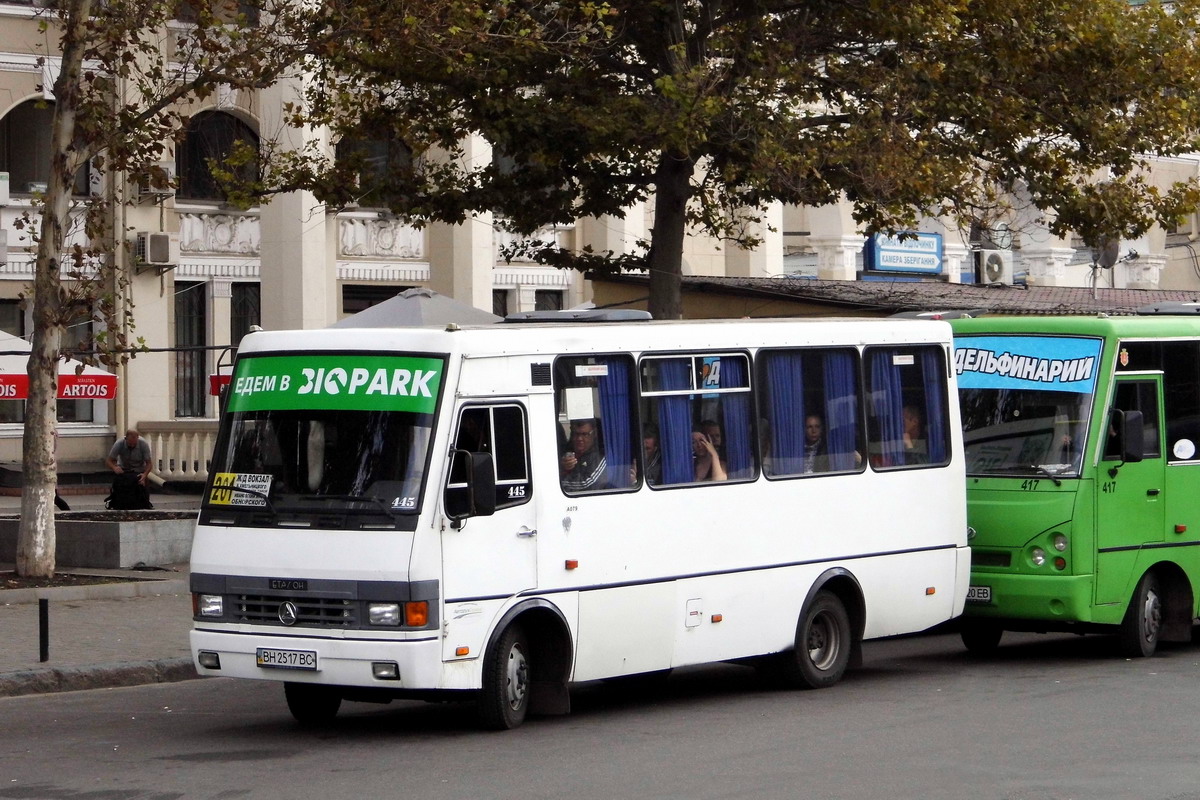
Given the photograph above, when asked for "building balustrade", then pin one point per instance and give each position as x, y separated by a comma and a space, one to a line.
182, 449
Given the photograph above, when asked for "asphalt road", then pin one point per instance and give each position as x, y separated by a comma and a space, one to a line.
1047, 717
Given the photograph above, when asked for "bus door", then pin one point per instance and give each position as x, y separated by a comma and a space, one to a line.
492, 556
1130, 503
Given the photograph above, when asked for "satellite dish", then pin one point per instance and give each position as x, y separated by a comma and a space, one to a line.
1107, 253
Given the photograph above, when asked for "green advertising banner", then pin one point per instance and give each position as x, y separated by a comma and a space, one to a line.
341, 382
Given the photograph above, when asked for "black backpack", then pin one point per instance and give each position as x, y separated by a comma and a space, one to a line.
127, 494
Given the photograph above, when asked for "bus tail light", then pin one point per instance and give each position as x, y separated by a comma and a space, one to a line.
1038, 556
1060, 563
1060, 542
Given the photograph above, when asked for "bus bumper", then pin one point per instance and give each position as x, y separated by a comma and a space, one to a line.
1056, 598
338, 662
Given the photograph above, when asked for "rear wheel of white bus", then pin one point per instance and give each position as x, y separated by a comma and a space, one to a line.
823, 644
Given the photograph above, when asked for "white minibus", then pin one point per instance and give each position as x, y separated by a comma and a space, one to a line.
496, 512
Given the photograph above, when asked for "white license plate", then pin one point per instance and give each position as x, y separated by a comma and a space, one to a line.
979, 594
285, 659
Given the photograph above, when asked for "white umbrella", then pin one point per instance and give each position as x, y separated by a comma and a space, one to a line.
415, 307
76, 380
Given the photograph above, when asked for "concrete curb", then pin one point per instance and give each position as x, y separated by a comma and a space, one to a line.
136, 587
97, 676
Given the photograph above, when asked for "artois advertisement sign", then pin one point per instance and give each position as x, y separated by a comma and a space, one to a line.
340, 382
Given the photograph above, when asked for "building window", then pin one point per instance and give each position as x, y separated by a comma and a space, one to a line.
190, 326
211, 137
25, 149
12, 317
547, 300
224, 10
500, 302
379, 165
356, 298
245, 310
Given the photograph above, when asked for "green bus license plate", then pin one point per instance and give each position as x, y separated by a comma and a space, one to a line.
979, 594
285, 659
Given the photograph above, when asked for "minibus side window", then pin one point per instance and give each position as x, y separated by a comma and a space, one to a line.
906, 406
810, 418
500, 432
698, 415
597, 426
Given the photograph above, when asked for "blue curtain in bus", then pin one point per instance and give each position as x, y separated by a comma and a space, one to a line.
935, 405
617, 411
675, 423
887, 407
785, 388
841, 410
735, 410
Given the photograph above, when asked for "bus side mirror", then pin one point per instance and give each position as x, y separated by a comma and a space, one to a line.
1129, 428
475, 496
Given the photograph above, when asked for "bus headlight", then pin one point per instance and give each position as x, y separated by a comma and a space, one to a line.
210, 605
1060, 542
1037, 556
384, 614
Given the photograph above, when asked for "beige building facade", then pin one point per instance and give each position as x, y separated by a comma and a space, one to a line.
201, 273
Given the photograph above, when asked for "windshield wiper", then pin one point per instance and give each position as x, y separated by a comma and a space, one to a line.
1036, 468
353, 498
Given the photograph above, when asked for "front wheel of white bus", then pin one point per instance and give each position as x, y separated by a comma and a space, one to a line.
1138, 636
823, 644
504, 698
312, 704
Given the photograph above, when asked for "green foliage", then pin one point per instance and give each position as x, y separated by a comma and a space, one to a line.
922, 107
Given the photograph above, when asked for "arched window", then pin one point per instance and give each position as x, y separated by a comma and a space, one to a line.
211, 136
25, 149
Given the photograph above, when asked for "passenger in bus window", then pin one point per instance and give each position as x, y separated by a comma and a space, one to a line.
651, 455
816, 456
915, 451
705, 458
582, 466
712, 429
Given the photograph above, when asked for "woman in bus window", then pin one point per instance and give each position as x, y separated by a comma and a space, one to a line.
708, 466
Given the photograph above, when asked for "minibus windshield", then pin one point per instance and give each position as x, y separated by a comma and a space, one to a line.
1023, 431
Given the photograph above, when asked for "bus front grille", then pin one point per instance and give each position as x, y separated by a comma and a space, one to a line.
990, 558
310, 611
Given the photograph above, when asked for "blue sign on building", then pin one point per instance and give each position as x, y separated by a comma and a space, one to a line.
918, 253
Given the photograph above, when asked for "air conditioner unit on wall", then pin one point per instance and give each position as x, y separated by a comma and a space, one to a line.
996, 266
145, 189
159, 251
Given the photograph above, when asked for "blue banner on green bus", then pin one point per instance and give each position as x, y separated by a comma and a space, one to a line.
1049, 363
340, 382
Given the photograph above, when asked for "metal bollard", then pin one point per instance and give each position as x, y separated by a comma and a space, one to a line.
43, 629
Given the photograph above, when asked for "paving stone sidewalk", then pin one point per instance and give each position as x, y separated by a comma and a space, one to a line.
102, 635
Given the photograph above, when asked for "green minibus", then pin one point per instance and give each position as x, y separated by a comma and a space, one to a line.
1083, 479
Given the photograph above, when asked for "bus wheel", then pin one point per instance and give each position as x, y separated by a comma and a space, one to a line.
504, 699
1143, 620
311, 704
823, 644
981, 638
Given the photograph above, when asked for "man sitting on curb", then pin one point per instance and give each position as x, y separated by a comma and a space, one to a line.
130, 459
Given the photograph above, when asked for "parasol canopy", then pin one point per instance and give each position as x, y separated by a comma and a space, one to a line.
76, 380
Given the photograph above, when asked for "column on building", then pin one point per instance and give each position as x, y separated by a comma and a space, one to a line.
766, 259
1145, 271
955, 251
298, 272
835, 238
618, 235
462, 257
